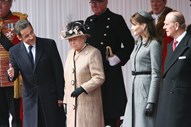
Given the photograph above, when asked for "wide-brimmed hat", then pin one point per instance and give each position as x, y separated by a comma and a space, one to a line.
74, 29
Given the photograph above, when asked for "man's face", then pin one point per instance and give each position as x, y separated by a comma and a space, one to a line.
98, 7
27, 35
5, 7
170, 26
157, 6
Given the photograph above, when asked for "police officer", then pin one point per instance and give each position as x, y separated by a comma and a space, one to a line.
7, 39
112, 37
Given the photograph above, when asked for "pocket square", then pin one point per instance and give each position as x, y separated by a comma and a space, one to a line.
182, 57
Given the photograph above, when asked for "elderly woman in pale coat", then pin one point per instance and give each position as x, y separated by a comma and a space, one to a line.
84, 75
146, 71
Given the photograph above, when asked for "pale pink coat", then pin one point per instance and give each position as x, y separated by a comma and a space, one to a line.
90, 76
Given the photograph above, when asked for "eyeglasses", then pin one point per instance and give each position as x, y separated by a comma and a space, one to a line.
96, 2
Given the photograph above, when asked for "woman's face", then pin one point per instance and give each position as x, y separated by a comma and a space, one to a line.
77, 42
137, 28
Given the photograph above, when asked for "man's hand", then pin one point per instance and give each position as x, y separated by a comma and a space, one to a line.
11, 72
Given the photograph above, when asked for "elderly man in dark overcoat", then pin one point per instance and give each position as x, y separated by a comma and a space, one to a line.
175, 96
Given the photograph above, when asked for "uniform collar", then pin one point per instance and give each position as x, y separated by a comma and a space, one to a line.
104, 15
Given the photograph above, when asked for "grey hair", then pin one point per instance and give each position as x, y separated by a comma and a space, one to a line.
179, 17
20, 25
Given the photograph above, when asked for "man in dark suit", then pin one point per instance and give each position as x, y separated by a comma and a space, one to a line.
42, 72
112, 37
175, 96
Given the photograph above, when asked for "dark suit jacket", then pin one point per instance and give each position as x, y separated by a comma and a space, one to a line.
110, 29
44, 82
175, 98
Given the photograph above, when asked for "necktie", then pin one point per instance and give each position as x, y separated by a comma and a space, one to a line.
174, 45
31, 55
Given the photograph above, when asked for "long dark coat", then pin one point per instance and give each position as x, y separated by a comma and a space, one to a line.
175, 96
44, 82
110, 29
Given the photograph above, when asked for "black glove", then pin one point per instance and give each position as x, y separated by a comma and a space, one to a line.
77, 92
149, 109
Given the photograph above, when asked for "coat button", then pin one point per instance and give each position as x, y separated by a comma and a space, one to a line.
88, 28
101, 43
73, 82
108, 18
107, 26
171, 92
105, 35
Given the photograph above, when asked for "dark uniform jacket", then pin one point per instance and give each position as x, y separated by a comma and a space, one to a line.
110, 29
8, 38
175, 96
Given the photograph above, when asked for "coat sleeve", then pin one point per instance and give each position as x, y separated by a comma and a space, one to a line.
58, 71
96, 72
14, 64
126, 39
156, 57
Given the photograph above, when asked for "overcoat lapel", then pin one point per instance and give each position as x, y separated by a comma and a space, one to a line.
138, 46
38, 52
24, 55
173, 56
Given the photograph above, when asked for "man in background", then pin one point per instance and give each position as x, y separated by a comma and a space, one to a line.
112, 37
159, 12
9, 100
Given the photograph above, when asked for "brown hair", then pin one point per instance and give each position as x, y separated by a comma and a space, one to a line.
144, 17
